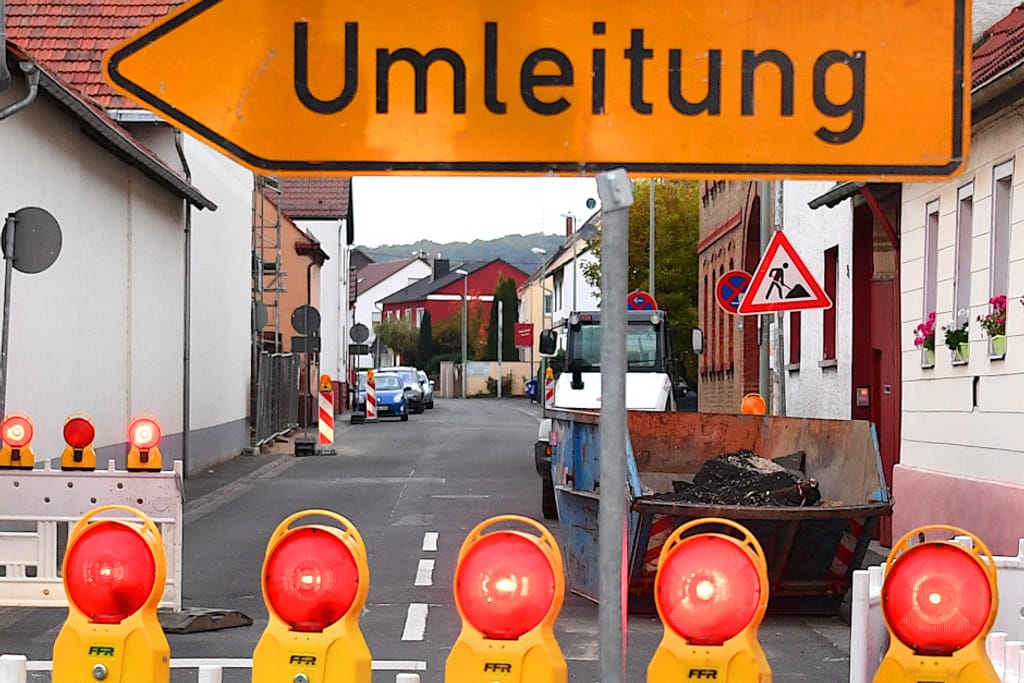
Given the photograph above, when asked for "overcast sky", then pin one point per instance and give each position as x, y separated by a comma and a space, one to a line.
402, 210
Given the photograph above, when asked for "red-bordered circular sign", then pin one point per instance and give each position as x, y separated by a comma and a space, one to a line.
730, 288
641, 301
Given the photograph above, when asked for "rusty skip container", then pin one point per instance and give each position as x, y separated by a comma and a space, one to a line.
811, 551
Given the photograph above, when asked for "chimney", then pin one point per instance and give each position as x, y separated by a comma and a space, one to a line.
570, 223
441, 268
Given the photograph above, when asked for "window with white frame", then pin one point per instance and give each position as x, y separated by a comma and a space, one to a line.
391, 315
931, 258
558, 281
1002, 183
408, 314
375, 317
419, 316
964, 238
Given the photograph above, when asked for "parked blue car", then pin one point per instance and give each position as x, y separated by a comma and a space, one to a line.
391, 401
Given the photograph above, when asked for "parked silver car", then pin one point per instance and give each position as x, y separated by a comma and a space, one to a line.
413, 390
428, 389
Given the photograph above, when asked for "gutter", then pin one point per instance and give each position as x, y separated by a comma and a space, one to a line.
31, 76
106, 133
997, 93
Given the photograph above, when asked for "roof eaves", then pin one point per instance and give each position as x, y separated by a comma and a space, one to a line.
105, 132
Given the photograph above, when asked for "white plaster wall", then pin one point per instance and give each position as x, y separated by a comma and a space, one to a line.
98, 332
367, 303
221, 280
333, 294
944, 427
811, 390
587, 298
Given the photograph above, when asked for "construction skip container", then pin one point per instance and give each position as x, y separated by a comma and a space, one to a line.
811, 551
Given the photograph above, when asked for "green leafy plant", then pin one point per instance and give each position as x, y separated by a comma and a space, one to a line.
955, 334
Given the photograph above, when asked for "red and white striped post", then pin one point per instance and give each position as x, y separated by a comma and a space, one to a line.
549, 389
371, 396
326, 411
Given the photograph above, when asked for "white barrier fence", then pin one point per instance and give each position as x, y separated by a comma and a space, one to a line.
38, 507
869, 638
15, 668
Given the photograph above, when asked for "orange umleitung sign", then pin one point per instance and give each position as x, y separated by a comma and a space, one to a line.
747, 88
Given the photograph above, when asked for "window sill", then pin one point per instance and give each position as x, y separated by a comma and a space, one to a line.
993, 357
927, 366
793, 367
828, 363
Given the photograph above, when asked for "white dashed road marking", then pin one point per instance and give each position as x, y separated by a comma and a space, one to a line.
425, 573
415, 622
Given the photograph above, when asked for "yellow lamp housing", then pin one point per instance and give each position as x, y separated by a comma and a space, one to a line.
79, 433
509, 588
144, 435
711, 592
939, 601
114, 573
315, 582
16, 431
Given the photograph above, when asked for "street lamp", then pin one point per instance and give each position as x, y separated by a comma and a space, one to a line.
465, 313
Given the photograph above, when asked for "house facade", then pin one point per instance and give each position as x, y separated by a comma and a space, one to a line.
107, 317
962, 459
375, 282
442, 294
162, 295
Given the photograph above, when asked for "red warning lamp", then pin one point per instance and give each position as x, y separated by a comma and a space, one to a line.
311, 579
509, 589
144, 436
711, 591
114, 573
79, 433
109, 572
315, 582
505, 585
939, 600
16, 431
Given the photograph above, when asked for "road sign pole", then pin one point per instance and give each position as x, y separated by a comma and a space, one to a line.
764, 366
616, 193
11, 225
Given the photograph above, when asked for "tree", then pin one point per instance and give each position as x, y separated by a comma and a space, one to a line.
425, 347
676, 233
505, 292
401, 336
448, 334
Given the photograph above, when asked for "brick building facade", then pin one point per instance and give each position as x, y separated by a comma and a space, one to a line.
730, 229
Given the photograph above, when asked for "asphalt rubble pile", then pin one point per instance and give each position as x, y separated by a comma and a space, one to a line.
745, 478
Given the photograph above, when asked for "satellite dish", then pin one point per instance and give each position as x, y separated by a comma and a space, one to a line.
37, 239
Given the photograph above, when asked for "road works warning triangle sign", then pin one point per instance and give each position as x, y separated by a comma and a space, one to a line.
782, 282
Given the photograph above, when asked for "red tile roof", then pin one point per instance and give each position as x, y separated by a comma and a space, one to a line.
305, 198
70, 37
373, 274
1000, 48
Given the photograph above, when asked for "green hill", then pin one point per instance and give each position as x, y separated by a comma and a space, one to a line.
514, 249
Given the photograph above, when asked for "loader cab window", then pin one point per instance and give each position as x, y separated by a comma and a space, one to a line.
644, 347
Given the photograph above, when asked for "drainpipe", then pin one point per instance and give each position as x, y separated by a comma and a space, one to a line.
31, 75
186, 360
5, 73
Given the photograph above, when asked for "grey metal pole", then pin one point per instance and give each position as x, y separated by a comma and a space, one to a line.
764, 365
616, 192
650, 247
465, 327
501, 314
10, 225
780, 328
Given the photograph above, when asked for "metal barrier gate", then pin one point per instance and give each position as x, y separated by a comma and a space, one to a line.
38, 507
276, 403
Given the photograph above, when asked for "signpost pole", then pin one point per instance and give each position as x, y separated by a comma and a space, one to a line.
764, 321
616, 193
11, 225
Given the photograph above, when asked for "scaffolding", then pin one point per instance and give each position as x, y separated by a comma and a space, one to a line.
274, 375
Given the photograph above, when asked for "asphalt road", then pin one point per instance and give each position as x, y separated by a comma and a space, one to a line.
409, 488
